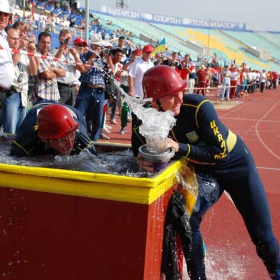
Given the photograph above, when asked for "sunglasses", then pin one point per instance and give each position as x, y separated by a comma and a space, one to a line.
80, 45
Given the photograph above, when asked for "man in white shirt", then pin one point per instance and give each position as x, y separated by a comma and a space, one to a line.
257, 79
250, 80
14, 107
137, 70
7, 72
226, 74
67, 85
263, 78
253, 81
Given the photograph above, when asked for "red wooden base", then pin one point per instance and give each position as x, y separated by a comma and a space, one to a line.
48, 236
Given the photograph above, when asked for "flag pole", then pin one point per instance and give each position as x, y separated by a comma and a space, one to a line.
209, 38
87, 21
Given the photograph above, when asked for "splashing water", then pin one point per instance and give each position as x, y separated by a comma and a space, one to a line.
118, 163
222, 264
155, 125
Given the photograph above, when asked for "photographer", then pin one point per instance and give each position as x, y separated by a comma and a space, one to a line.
14, 108
68, 85
91, 94
173, 61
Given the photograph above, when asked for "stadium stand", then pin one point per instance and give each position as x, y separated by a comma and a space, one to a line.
226, 45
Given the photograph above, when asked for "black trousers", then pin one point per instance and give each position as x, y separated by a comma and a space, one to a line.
2, 100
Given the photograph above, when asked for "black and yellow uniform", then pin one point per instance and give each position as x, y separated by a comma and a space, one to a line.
27, 142
217, 151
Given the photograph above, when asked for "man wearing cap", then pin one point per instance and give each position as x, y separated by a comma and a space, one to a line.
137, 70
91, 94
67, 85
79, 45
137, 53
7, 72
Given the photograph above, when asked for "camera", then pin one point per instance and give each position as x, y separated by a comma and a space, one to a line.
20, 78
65, 42
30, 39
104, 50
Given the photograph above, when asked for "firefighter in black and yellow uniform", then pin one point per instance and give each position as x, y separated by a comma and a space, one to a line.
51, 128
200, 136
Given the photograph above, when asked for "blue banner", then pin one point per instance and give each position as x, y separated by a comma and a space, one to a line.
173, 20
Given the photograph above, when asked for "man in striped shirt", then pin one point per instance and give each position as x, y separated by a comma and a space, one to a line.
46, 88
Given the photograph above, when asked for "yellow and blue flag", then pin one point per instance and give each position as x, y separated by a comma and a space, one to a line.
161, 47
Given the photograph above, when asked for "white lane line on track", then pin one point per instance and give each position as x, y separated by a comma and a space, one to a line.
268, 168
253, 120
245, 104
258, 134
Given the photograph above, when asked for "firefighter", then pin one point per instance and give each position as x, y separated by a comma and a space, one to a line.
200, 136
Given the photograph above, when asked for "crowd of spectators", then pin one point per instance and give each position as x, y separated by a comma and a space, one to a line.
68, 17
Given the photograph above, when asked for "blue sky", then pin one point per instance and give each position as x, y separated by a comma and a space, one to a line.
259, 14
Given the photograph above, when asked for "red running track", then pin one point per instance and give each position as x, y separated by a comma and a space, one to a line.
230, 252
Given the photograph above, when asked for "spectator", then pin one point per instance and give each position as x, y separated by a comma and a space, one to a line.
137, 70
201, 80
174, 61
124, 116
126, 46
67, 85
81, 47
263, 80
159, 60
42, 22
188, 73
114, 61
137, 53
274, 78
250, 81
14, 109
91, 94
46, 82
52, 24
226, 75
7, 73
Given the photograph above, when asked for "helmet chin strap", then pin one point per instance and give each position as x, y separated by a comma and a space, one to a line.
159, 106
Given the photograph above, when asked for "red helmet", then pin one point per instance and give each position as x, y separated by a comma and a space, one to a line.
80, 41
55, 121
160, 81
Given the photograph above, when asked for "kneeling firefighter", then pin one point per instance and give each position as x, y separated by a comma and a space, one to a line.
51, 128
